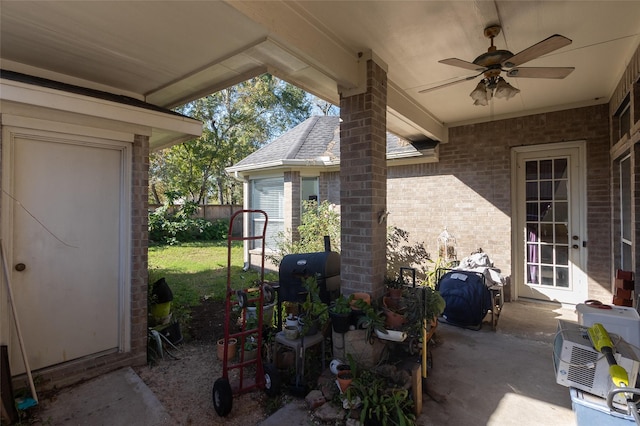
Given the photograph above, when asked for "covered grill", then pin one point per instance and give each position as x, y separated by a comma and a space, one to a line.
294, 268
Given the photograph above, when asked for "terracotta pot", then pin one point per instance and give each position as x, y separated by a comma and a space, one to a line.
231, 349
344, 378
395, 293
391, 303
393, 320
364, 296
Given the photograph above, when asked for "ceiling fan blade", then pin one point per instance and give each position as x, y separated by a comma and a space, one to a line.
451, 83
547, 45
462, 64
540, 72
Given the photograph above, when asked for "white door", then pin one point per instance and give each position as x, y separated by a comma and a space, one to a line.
67, 199
550, 227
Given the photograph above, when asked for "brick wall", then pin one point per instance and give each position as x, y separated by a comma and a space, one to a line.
329, 184
363, 188
468, 190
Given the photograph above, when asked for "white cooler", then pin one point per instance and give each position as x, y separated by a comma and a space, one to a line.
593, 411
621, 320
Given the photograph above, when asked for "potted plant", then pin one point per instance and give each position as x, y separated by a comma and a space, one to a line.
394, 311
314, 314
250, 349
424, 305
372, 319
340, 313
268, 305
346, 373
394, 286
230, 348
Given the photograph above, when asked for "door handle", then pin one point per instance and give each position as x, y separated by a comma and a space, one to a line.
575, 246
20, 267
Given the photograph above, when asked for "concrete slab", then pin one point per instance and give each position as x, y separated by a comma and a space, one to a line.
294, 413
488, 378
484, 377
117, 398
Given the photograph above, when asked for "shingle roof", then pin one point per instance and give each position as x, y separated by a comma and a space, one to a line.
318, 136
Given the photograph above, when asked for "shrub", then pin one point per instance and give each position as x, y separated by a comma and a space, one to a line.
316, 221
167, 228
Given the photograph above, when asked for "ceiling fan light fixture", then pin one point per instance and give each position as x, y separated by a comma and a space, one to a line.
480, 94
493, 63
504, 90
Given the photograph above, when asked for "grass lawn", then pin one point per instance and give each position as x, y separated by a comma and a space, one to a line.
198, 270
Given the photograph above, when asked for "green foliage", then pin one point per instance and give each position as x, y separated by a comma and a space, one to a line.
342, 305
397, 282
402, 253
380, 400
372, 320
316, 222
313, 309
236, 122
421, 305
432, 276
167, 228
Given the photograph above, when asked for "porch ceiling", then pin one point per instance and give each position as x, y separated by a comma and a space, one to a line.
170, 52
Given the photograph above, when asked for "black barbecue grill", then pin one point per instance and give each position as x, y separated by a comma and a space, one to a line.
294, 268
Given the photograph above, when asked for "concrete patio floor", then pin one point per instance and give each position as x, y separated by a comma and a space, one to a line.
502, 378
485, 377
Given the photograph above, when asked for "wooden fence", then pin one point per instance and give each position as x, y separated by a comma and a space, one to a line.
208, 211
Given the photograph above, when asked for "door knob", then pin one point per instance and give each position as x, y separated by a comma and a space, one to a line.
575, 246
20, 267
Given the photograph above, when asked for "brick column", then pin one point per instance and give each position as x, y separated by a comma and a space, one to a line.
139, 248
292, 202
363, 184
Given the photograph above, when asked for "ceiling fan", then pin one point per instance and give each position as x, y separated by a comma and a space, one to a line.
492, 63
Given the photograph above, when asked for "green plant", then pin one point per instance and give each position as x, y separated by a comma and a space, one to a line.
251, 343
168, 228
371, 320
380, 400
341, 305
397, 283
438, 265
422, 305
316, 222
313, 309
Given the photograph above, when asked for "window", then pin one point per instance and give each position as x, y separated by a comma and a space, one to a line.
622, 120
267, 195
625, 214
309, 189
547, 193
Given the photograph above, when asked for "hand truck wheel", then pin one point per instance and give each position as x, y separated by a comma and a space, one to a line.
222, 396
272, 383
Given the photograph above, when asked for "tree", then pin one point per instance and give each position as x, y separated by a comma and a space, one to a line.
326, 108
236, 122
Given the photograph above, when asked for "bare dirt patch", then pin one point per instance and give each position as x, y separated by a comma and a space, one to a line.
184, 385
